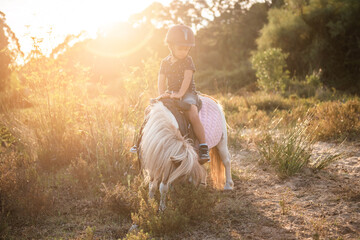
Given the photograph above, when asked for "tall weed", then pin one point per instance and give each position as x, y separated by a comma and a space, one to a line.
289, 152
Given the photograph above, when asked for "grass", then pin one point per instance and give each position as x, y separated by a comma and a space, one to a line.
336, 120
66, 133
186, 205
289, 152
68, 149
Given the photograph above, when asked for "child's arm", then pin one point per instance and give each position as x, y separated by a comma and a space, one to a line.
185, 84
161, 83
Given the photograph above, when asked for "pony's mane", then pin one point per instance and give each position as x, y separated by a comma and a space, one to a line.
162, 146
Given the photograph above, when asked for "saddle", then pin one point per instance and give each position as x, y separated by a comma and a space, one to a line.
177, 108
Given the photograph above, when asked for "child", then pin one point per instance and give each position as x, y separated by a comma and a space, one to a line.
177, 69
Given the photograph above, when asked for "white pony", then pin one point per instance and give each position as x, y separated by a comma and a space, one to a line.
167, 156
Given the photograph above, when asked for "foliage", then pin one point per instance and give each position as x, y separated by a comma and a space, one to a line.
306, 89
336, 120
317, 34
225, 44
121, 199
7, 54
67, 128
215, 81
140, 235
255, 110
288, 153
86, 102
21, 194
324, 161
185, 204
110, 55
271, 70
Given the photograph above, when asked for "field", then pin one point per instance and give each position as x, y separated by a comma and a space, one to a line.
67, 172
74, 92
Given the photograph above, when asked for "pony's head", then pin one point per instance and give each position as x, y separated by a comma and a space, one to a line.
166, 154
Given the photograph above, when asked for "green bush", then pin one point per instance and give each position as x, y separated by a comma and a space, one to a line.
318, 34
225, 80
270, 66
309, 87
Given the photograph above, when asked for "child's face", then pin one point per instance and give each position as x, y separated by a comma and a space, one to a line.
180, 52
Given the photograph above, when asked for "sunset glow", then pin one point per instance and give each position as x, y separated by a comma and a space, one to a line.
51, 21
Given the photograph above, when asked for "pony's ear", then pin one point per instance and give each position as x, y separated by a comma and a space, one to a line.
175, 160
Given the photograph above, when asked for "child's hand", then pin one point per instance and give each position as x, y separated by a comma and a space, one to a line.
164, 95
175, 95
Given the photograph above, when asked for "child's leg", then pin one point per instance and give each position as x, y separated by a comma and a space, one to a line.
193, 117
198, 128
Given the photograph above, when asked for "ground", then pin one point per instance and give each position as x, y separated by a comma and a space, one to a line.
309, 205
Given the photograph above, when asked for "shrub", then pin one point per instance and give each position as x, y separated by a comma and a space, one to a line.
269, 102
336, 120
21, 194
140, 235
120, 199
225, 80
288, 153
270, 66
82, 171
185, 204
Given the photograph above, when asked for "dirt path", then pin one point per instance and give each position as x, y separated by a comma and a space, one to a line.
323, 205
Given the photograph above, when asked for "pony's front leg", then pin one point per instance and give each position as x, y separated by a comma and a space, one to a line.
163, 190
152, 188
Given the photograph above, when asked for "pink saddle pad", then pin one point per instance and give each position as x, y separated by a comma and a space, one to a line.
210, 117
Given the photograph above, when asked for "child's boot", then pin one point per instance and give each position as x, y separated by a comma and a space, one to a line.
134, 149
203, 154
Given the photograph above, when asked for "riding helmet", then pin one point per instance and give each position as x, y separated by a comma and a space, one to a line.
180, 35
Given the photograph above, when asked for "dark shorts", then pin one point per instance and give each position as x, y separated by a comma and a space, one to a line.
191, 98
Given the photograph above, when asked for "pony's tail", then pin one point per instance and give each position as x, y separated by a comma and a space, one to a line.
217, 169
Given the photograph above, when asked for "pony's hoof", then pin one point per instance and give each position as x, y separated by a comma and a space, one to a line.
162, 207
133, 228
229, 186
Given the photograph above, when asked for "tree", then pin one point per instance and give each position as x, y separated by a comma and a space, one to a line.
271, 70
7, 55
226, 44
318, 34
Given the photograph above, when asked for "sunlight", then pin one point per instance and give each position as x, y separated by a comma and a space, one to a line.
119, 54
51, 21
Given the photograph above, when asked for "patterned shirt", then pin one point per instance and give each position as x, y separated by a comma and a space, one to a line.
174, 72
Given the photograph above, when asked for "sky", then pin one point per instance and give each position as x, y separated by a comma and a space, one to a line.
51, 20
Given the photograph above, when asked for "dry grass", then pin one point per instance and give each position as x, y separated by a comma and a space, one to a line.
186, 205
64, 159
336, 120
65, 133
